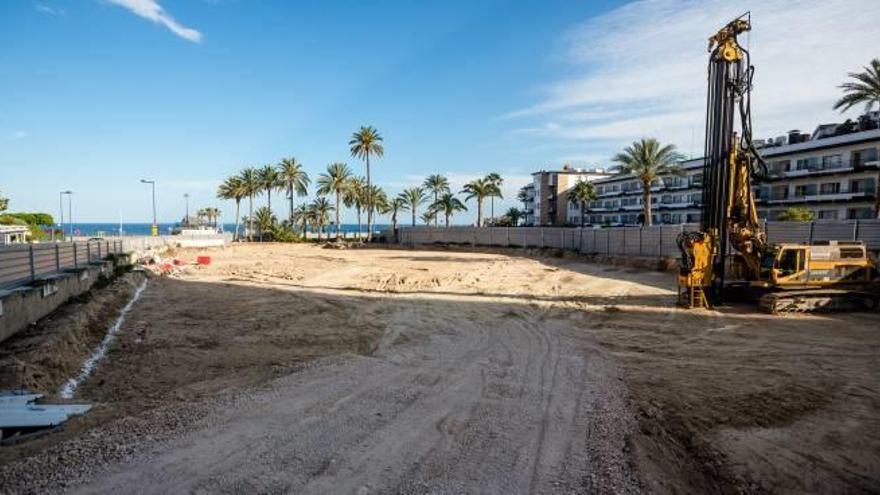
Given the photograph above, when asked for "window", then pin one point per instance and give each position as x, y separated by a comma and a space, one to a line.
696, 180
832, 161
805, 190
778, 193
789, 261
860, 157
863, 186
827, 215
860, 213
811, 163
780, 167
830, 188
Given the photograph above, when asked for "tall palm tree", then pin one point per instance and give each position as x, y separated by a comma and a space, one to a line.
436, 184
514, 215
582, 193
364, 143
334, 182
265, 221
231, 189
320, 211
301, 218
647, 159
380, 199
448, 204
295, 179
865, 89
250, 184
269, 181
354, 196
479, 189
412, 198
496, 179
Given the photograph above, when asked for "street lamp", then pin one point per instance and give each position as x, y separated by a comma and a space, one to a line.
69, 211
154, 230
186, 217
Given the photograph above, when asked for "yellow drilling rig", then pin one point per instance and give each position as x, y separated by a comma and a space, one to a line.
730, 256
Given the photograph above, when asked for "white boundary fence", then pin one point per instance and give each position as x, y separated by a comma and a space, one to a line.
655, 241
22, 264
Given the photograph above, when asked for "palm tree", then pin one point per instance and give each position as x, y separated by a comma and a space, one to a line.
428, 216
265, 221
320, 212
250, 184
301, 218
646, 159
497, 180
523, 196
364, 143
864, 90
269, 181
295, 179
479, 189
380, 199
514, 215
231, 189
437, 185
393, 207
582, 193
334, 181
448, 204
354, 196
412, 198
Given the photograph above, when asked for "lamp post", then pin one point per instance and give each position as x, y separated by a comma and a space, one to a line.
69, 211
154, 229
186, 217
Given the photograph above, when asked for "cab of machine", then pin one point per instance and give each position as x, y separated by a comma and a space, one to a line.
820, 263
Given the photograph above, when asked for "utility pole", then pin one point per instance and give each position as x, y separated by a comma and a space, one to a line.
69, 212
154, 229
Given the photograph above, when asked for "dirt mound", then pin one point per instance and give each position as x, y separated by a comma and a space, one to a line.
46, 354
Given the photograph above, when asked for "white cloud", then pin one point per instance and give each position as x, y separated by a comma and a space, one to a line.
643, 70
150, 9
49, 10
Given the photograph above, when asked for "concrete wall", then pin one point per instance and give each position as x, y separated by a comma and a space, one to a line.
24, 305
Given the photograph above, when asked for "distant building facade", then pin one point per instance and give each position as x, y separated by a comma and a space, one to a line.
833, 172
548, 203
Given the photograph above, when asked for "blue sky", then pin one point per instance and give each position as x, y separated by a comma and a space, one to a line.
96, 94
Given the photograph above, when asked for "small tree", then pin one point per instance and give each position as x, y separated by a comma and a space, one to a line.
4, 203
513, 215
448, 204
412, 198
796, 214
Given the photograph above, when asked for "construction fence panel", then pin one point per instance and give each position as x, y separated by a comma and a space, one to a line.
21, 264
632, 241
828, 231
653, 241
869, 232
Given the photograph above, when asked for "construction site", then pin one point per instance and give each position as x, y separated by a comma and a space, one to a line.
292, 368
714, 357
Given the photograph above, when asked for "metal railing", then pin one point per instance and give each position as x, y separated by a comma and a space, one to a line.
655, 241
23, 264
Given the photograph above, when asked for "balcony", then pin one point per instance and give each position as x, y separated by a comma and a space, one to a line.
818, 197
818, 169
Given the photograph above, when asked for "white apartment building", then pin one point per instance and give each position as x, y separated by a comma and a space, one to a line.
548, 192
833, 172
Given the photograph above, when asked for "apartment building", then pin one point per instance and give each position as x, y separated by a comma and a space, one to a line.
547, 202
833, 172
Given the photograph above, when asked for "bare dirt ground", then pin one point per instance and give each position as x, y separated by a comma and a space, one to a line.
291, 368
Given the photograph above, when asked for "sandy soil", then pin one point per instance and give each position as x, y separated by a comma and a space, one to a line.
300, 369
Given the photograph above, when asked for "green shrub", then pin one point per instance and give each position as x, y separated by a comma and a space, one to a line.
796, 214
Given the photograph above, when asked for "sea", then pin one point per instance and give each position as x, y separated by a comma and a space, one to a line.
137, 229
